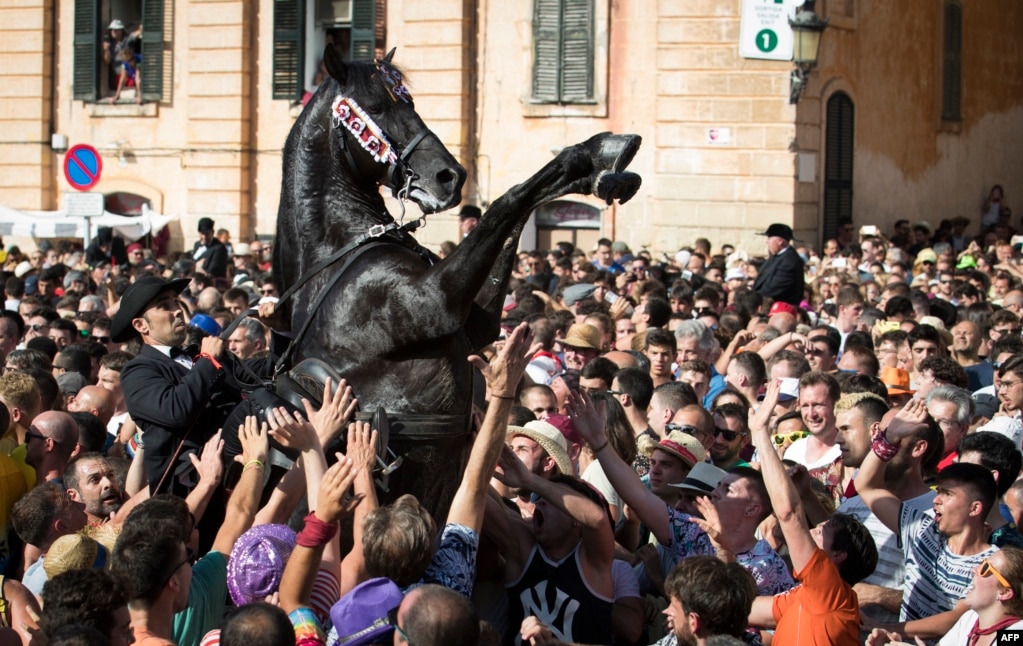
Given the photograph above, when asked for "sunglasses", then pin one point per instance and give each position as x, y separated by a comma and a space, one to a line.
267, 292
101, 339
34, 435
782, 438
729, 436
39, 327
986, 570
684, 428
392, 618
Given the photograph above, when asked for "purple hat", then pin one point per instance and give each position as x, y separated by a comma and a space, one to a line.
360, 617
257, 562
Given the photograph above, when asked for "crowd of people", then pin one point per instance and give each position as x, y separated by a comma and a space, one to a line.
716, 446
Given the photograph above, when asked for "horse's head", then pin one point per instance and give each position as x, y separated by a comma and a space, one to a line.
381, 133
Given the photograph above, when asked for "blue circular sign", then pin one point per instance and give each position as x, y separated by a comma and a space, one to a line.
82, 167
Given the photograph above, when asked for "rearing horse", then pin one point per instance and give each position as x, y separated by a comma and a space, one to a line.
383, 312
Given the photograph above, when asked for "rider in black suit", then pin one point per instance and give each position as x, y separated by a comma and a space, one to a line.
172, 397
781, 277
209, 253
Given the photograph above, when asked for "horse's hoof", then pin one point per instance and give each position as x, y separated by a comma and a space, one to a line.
615, 152
610, 186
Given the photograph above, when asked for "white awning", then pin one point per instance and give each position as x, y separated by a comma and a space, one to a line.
57, 224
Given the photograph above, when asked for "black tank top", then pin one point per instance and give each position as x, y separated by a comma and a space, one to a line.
556, 594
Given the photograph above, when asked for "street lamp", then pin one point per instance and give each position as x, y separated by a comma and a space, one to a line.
807, 28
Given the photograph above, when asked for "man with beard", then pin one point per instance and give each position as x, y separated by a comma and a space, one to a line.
544, 450
731, 435
708, 597
90, 480
966, 340
176, 396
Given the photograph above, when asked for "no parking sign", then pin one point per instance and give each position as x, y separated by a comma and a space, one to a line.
82, 167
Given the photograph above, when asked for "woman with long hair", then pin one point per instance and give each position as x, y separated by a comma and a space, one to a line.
621, 439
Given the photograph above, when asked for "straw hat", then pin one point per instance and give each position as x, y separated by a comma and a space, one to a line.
74, 552
550, 438
682, 445
582, 335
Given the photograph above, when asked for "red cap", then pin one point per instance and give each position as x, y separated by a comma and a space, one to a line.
564, 424
134, 247
780, 307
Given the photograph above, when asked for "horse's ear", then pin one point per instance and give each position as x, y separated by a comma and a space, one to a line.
335, 65
390, 55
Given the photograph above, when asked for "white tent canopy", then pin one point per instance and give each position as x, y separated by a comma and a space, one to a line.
57, 224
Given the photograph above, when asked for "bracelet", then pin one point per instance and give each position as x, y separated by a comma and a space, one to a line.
884, 449
315, 532
601, 447
216, 364
510, 398
253, 464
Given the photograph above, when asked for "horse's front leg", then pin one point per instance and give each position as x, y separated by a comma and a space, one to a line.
474, 271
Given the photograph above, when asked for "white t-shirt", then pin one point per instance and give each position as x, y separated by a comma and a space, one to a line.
797, 453
595, 475
961, 630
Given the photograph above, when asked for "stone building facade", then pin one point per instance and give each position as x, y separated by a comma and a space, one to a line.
914, 110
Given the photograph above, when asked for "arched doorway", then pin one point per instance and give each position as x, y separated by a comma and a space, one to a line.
838, 163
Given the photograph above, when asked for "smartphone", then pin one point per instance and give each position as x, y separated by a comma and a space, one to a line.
687, 275
868, 230
838, 262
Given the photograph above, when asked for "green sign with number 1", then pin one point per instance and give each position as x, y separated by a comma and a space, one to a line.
767, 40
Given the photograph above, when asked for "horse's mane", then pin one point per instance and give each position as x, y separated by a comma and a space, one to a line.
360, 81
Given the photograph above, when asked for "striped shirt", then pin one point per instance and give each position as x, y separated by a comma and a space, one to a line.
935, 577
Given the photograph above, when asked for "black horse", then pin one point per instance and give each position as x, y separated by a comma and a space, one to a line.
383, 312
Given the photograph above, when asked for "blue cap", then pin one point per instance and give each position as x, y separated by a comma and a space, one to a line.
205, 323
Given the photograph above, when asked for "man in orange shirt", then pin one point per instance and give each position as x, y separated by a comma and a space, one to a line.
827, 560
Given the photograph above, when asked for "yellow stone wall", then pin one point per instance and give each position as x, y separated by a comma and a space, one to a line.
668, 70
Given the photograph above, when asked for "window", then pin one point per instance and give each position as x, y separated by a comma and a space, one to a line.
838, 163
302, 28
952, 63
563, 51
92, 78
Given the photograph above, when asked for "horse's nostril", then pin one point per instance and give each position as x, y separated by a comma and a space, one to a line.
445, 176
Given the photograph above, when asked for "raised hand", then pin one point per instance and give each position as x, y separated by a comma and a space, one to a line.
511, 471
588, 416
761, 420
907, 421
335, 411
292, 431
504, 370
333, 502
209, 465
362, 445
711, 524
255, 441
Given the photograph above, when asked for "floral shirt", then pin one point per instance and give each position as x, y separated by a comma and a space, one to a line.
768, 569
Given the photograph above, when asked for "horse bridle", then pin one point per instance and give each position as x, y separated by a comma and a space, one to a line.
400, 173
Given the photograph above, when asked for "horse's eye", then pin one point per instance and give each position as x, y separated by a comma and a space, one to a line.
375, 108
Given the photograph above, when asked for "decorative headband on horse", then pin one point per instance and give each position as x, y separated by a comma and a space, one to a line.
350, 115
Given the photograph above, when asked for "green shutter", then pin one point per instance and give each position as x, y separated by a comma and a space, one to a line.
363, 30
88, 51
546, 50
952, 65
289, 49
152, 50
838, 163
577, 51
562, 51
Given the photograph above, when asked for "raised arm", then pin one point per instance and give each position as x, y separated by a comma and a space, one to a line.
320, 528
784, 497
591, 421
898, 424
244, 502
502, 375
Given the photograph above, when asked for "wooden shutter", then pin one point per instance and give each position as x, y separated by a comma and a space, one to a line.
952, 65
838, 163
576, 51
363, 30
289, 49
152, 50
546, 50
88, 51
